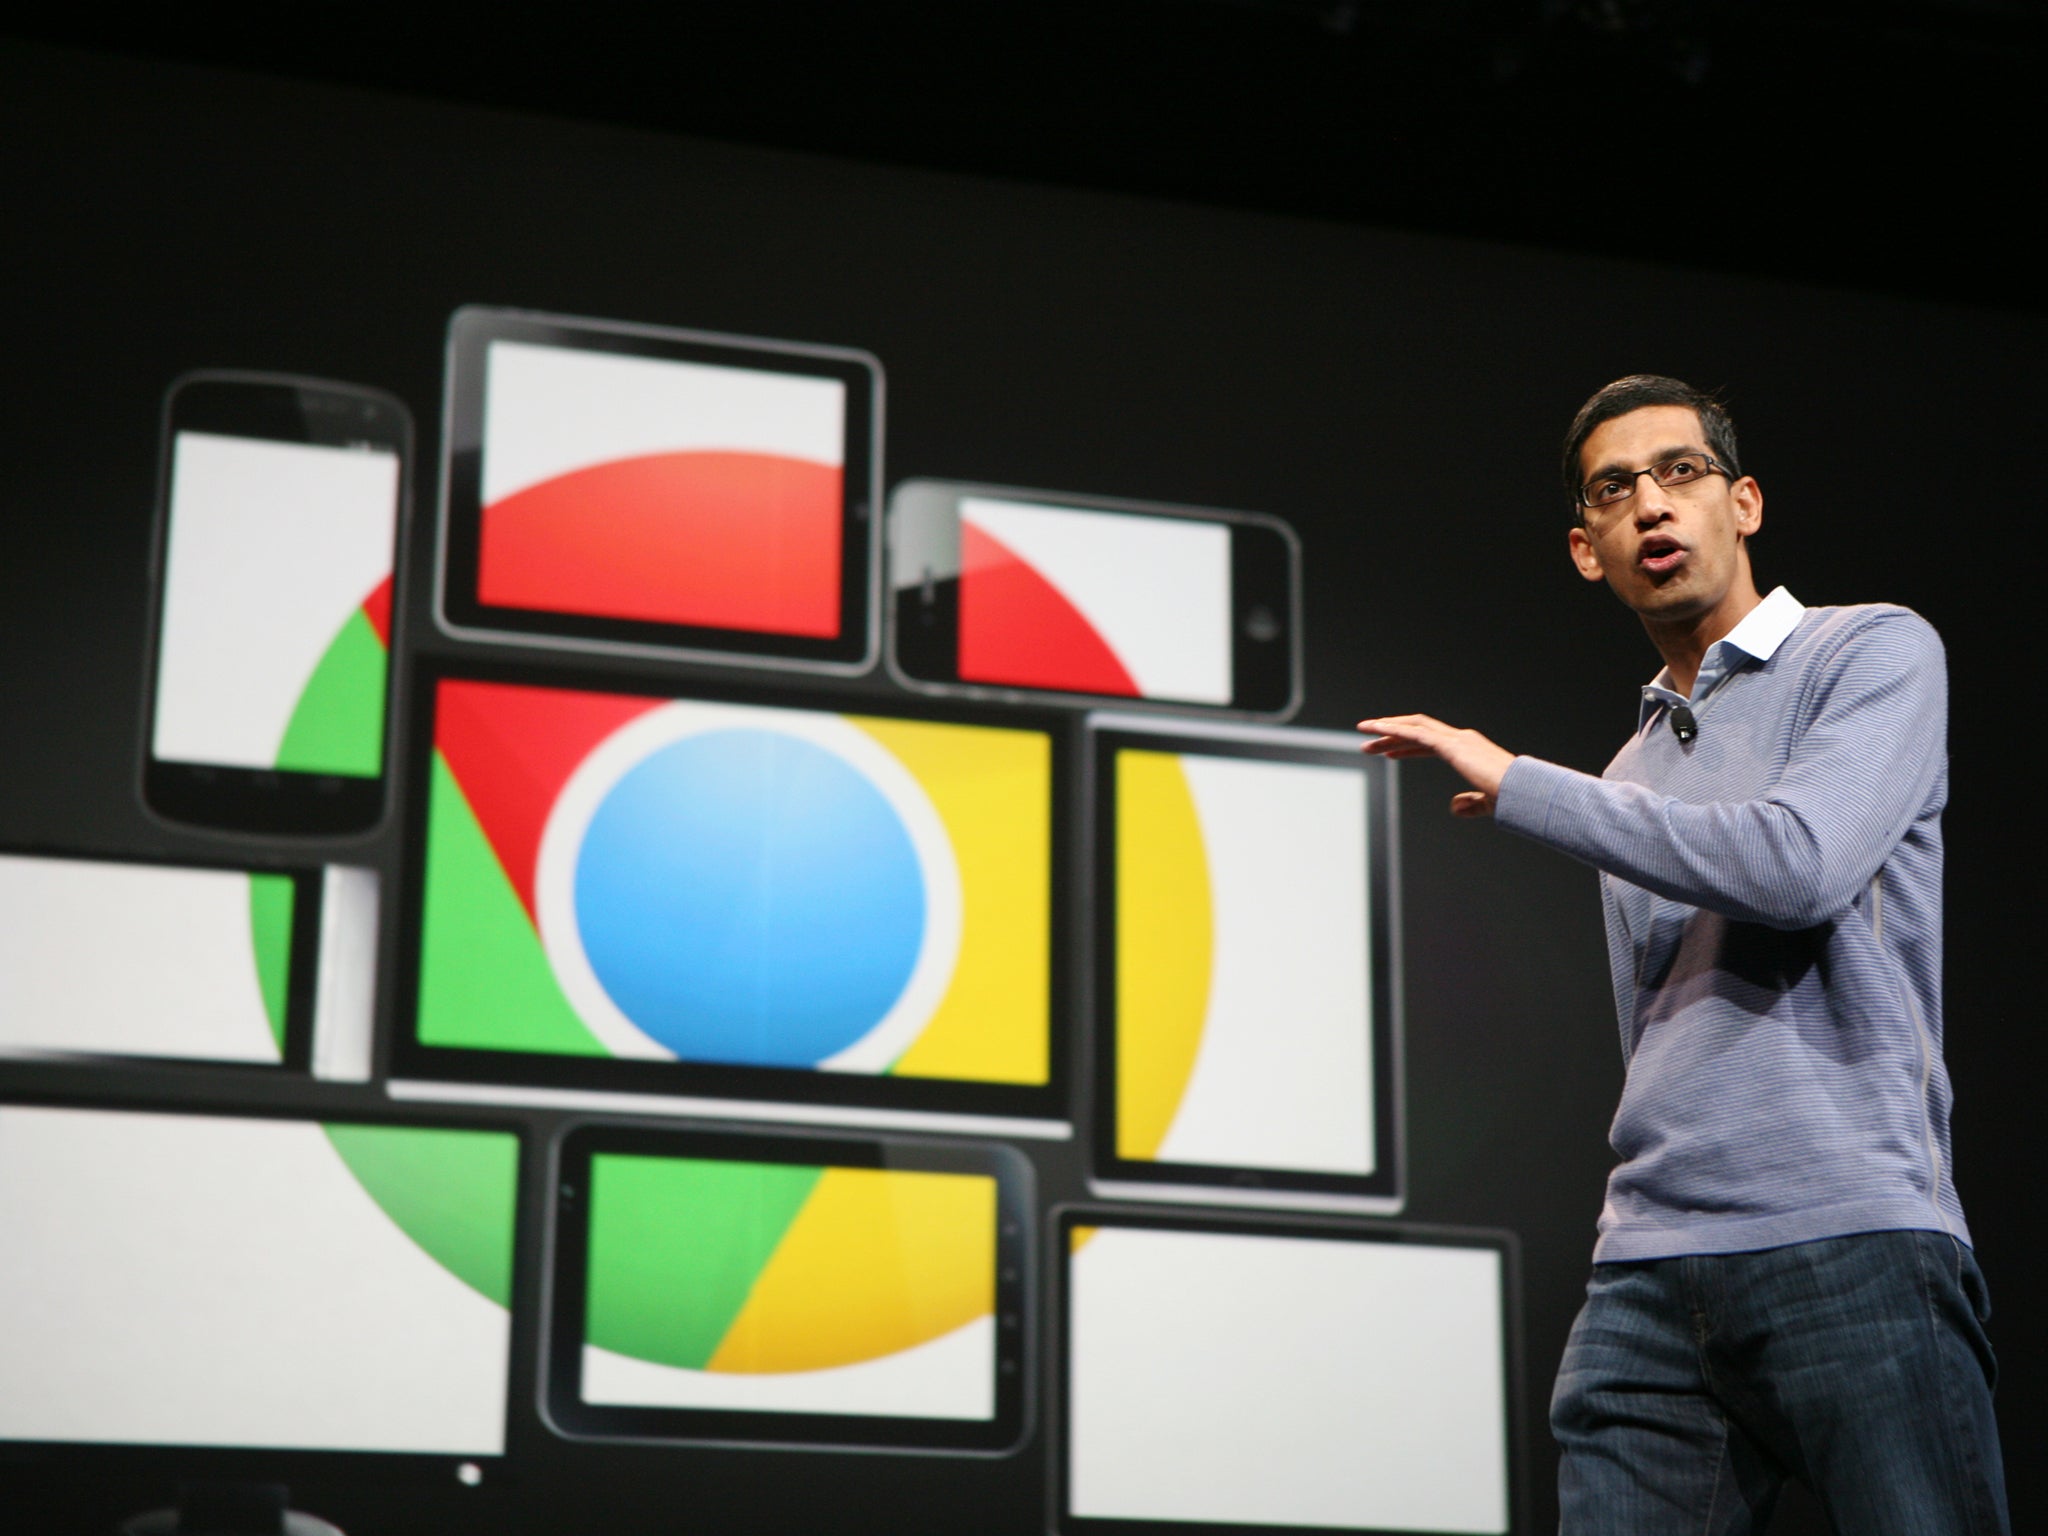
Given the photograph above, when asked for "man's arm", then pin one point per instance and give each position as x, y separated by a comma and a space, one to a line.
1872, 742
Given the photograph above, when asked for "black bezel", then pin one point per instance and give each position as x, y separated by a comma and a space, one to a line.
410, 1058
471, 331
570, 1415
303, 979
279, 408
1382, 1190
1265, 577
173, 1463
1064, 1219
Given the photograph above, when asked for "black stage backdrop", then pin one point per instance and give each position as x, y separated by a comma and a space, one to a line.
1398, 399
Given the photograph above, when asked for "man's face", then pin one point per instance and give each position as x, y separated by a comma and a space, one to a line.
1674, 554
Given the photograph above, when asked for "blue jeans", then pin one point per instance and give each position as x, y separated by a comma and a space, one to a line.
1691, 1388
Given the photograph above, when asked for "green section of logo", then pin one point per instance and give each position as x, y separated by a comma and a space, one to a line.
338, 724
485, 981
270, 935
676, 1245
452, 1192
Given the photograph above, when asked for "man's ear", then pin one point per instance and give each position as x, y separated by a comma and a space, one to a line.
1749, 505
1585, 557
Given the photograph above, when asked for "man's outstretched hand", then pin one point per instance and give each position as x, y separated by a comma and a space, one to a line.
1478, 761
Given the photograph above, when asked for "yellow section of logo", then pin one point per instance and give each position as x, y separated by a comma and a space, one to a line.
1165, 947
877, 1261
992, 789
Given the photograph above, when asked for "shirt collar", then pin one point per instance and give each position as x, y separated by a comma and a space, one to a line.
1762, 630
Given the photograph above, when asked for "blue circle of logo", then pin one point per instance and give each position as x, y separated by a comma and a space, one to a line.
749, 897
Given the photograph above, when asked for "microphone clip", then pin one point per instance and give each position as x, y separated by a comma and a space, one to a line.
1683, 724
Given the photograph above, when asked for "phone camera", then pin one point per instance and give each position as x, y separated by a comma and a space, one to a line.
1262, 624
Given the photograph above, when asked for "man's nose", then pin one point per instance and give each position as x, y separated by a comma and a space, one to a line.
1652, 501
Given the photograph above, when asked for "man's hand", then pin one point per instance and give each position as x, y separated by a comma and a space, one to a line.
1478, 761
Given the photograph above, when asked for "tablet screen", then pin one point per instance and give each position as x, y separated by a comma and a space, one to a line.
659, 887
628, 487
258, 1283
661, 490
783, 1289
1273, 1380
1241, 964
99, 957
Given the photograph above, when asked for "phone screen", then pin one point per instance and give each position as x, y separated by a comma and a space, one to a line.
280, 513
1112, 601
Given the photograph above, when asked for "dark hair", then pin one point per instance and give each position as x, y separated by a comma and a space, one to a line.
1632, 394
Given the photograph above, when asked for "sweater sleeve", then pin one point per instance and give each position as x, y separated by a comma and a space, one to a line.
1868, 744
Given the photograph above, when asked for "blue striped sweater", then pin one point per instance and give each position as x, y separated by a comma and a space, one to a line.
1773, 902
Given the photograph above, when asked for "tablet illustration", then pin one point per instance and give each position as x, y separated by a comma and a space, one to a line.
633, 490
653, 894
1253, 1376
789, 1289
1244, 966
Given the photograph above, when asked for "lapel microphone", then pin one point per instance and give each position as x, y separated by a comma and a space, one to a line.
1683, 725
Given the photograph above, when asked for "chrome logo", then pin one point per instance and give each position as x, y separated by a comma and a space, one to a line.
661, 879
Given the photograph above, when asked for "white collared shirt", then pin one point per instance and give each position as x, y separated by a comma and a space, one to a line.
1762, 630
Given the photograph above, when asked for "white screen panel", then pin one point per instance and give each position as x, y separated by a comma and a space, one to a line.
130, 959
1283, 1073
188, 1281
272, 547
1286, 1381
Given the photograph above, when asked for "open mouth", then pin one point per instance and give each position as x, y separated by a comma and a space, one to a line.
1660, 553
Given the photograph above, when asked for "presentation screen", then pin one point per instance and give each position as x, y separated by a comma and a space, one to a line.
1226, 1376
684, 895
1247, 1039
788, 1289
257, 1283
106, 957
631, 489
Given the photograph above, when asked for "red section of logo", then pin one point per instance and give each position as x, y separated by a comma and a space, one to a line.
512, 748
746, 541
1017, 627
377, 609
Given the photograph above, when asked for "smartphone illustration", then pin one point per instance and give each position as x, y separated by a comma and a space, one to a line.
280, 509
1006, 592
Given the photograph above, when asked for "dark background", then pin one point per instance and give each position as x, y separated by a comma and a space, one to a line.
1829, 234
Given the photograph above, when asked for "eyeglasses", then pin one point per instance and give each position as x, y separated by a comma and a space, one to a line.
1674, 473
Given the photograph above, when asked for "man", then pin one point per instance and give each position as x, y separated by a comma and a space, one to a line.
1783, 1284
